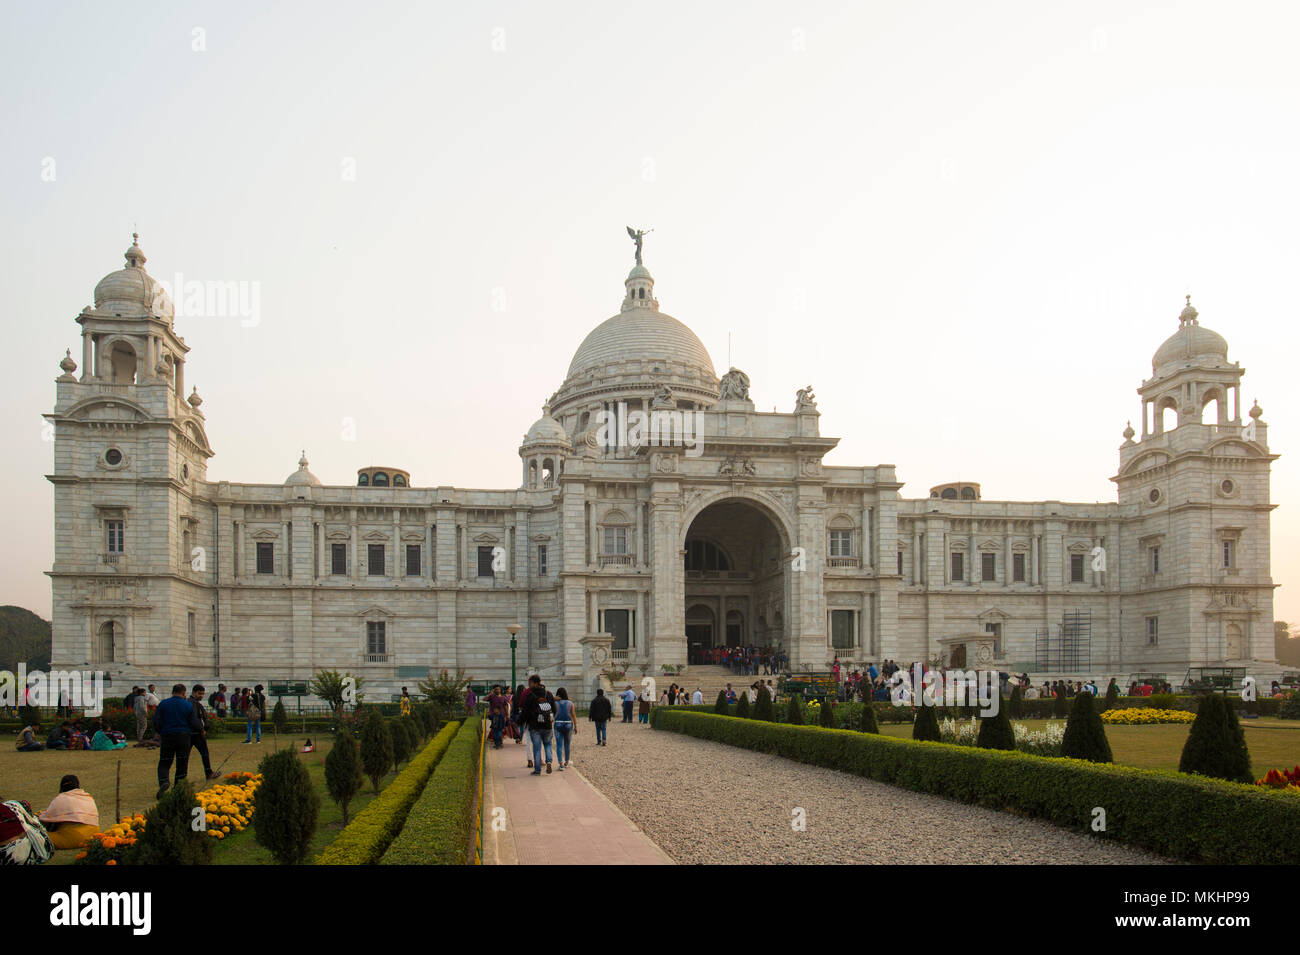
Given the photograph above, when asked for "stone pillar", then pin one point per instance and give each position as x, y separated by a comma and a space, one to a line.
639, 542
639, 625
667, 637
88, 356
593, 535
180, 378
1034, 546
397, 543
285, 563
352, 542
1006, 555
427, 571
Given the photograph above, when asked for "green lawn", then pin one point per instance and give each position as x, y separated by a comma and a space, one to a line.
1272, 743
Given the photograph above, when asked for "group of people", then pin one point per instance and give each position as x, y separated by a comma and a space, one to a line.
547, 720
749, 661
28, 838
71, 734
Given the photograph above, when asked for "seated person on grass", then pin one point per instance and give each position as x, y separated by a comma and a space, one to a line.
60, 737
105, 738
72, 817
80, 738
27, 741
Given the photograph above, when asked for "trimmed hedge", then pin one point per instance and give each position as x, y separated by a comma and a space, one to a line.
366, 837
440, 827
1186, 817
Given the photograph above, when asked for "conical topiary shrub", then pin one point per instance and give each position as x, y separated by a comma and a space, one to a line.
742, 704
279, 718
1112, 696
286, 808
343, 775
720, 705
376, 748
794, 711
1216, 744
1015, 705
763, 708
867, 721
169, 836
925, 724
401, 742
995, 731
826, 713
1085, 735
1060, 706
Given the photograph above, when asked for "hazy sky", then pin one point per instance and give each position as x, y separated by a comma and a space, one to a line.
967, 225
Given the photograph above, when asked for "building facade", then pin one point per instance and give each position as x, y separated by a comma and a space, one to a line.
658, 514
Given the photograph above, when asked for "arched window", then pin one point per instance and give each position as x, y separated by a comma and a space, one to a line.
106, 644
363, 480
380, 479
968, 494
949, 494
399, 481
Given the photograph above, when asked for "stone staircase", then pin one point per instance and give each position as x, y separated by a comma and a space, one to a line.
709, 679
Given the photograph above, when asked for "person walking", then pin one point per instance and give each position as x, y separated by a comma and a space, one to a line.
140, 705
199, 740
253, 714
175, 723
539, 714
629, 697
564, 727
498, 709
643, 711
599, 713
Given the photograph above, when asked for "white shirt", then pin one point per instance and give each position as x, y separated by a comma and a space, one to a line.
753, 695
697, 697
150, 699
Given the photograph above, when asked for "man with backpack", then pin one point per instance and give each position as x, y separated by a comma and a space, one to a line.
539, 714
199, 740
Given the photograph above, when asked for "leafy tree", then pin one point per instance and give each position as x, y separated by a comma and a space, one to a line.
1085, 734
279, 718
720, 705
446, 692
343, 775
401, 742
826, 713
376, 748
286, 808
995, 731
794, 711
742, 704
867, 722
336, 689
169, 836
763, 707
1216, 744
925, 724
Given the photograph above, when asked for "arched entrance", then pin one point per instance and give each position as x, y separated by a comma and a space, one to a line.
737, 578
106, 642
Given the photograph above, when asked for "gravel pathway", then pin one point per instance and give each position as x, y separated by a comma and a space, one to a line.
706, 802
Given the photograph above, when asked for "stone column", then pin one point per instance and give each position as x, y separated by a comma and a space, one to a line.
667, 616
285, 562
352, 543
427, 571
397, 543
639, 626
639, 542
918, 556
1034, 542
88, 357
593, 535
1007, 574
180, 378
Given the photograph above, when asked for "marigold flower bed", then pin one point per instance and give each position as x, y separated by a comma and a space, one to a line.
1146, 716
228, 808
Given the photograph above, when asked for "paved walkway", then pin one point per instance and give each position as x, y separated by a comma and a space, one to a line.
557, 819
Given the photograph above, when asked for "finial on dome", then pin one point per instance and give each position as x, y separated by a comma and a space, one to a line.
135, 257
1188, 315
1129, 432
302, 461
1256, 411
194, 399
68, 365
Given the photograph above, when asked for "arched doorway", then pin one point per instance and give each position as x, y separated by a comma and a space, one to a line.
1234, 643
736, 570
106, 642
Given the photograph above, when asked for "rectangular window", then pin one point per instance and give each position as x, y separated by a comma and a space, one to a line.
1018, 568
996, 630
843, 631
375, 560
900, 563
376, 638
958, 567
1076, 568
265, 557
485, 562
1153, 631
543, 638
1155, 560
412, 560
615, 540
339, 559
116, 543
841, 543
541, 561
191, 629
988, 567
1229, 554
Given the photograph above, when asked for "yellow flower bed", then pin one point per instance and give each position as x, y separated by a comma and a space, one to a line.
1146, 716
229, 806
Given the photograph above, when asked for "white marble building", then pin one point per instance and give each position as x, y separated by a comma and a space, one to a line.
737, 534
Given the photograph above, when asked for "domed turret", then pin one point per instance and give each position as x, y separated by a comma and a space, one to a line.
302, 476
131, 291
1191, 343
543, 451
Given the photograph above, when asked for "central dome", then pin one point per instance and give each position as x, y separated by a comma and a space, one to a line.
133, 292
1193, 342
640, 335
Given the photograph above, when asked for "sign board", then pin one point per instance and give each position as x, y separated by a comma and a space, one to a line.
288, 689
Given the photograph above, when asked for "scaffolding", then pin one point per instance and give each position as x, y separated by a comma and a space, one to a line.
1069, 650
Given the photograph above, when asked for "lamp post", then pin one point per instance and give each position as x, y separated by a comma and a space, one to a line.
513, 629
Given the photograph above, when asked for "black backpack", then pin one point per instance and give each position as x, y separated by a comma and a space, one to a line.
543, 712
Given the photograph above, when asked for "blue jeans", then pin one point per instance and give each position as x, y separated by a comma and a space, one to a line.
540, 738
627, 712
600, 731
563, 739
254, 725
